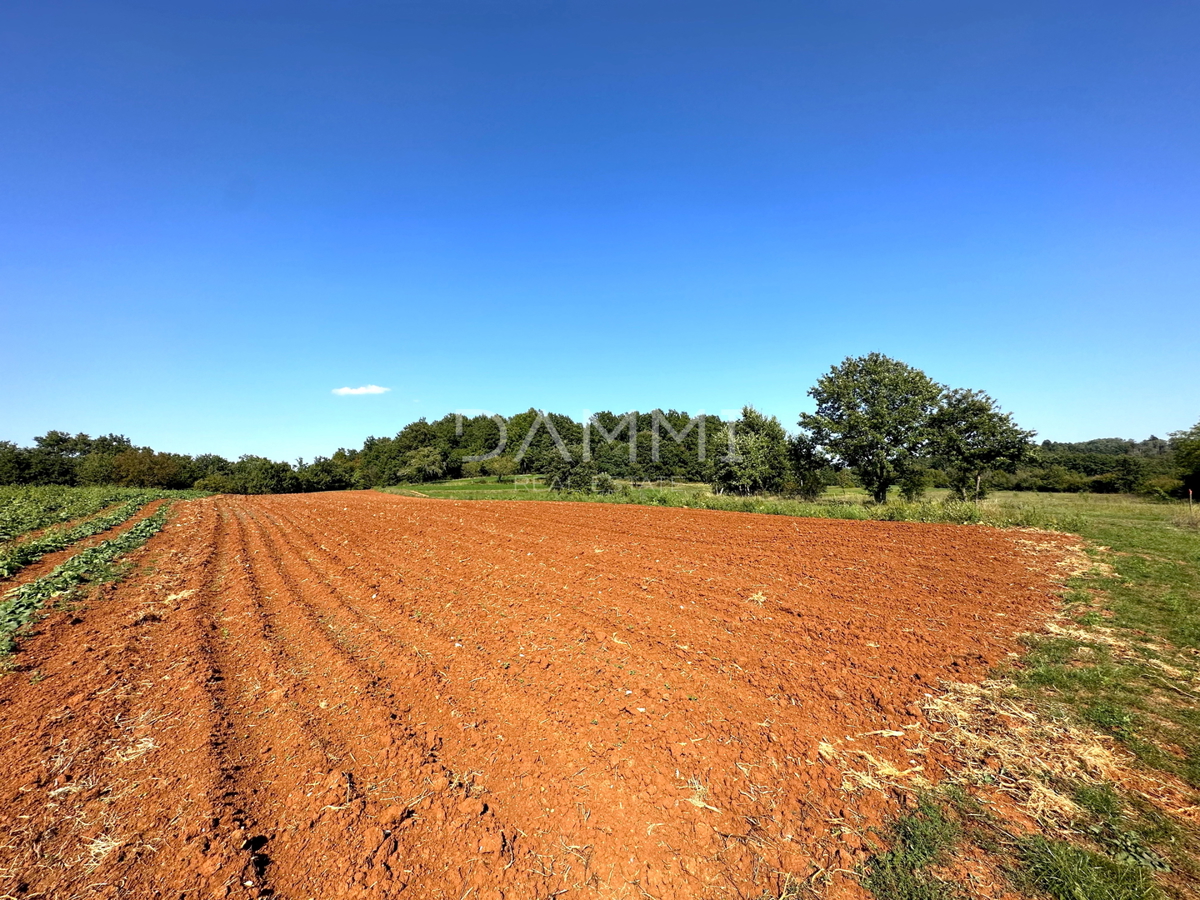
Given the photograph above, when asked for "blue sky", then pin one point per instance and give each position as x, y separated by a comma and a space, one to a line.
212, 215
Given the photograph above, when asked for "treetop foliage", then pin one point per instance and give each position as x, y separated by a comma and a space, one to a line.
873, 415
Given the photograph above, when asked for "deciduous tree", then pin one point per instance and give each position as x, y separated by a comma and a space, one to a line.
1187, 456
424, 464
971, 437
873, 415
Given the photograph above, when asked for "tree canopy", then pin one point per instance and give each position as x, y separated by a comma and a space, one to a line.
970, 437
757, 459
873, 416
1187, 456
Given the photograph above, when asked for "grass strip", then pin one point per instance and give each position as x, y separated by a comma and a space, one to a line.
1122, 660
1067, 872
1008, 515
21, 604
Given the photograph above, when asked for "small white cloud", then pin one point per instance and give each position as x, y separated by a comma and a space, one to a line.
365, 389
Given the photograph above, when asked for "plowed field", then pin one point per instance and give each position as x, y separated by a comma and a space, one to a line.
364, 695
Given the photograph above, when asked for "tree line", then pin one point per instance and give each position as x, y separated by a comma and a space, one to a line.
879, 424
58, 457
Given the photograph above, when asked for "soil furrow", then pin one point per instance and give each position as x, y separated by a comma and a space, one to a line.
533, 707
341, 622
388, 756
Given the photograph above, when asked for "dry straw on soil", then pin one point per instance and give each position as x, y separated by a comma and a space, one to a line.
1004, 744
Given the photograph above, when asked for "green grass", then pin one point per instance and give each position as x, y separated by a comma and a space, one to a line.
520, 487
1119, 864
1132, 671
919, 841
1014, 510
1128, 668
1065, 871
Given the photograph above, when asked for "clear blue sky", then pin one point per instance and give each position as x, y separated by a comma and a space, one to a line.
214, 214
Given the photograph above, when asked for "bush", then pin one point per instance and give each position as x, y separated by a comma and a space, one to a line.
573, 474
216, 484
143, 467
759, 456
96, 468
806, 486
582, 477
913, 484
1108, 483
324, 474
1057, 478
259, 475
1161, 487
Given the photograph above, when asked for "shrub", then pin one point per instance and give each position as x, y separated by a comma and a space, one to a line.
806, 486
1107, 483
217, 484
324, 474
913, 484
758, 458
1161, 487
259, 475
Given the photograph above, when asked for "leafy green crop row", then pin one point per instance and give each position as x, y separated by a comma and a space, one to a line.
29, 507
21, 604
16, 556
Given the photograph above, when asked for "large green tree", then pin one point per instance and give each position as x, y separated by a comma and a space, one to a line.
873, 415
569, 472
970, 438
1186, 445
809, 468
501, 466
379, 463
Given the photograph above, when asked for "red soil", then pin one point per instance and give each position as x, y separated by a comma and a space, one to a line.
363, 695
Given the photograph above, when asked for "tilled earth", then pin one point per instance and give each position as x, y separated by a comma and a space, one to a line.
365, 695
